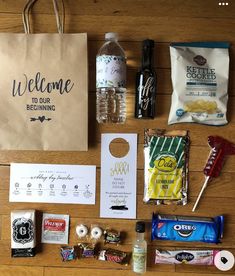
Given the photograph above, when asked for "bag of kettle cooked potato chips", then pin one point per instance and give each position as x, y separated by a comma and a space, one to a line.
199, 73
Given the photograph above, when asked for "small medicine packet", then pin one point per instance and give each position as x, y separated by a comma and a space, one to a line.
23, 233
199, 73
55, 228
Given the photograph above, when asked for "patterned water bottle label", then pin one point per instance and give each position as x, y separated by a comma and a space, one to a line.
139, 260
110, 71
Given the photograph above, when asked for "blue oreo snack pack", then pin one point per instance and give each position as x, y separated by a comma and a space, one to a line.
187, 228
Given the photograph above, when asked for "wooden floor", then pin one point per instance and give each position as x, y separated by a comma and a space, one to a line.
164, 21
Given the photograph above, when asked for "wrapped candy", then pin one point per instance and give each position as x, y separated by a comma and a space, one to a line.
112, 236
114, 255
67, 253
194, 257
87, 250
220, 149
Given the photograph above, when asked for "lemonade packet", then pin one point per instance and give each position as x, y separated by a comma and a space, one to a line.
166, 166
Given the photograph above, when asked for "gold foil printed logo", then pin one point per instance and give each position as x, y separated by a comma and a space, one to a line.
120, 168
165, 163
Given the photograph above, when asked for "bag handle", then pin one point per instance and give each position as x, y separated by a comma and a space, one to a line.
59, 19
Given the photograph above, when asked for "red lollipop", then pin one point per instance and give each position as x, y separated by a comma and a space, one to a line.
220, 149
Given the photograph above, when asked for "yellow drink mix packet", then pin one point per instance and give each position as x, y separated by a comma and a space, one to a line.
166, 166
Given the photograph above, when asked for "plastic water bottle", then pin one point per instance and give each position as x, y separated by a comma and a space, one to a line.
111, 82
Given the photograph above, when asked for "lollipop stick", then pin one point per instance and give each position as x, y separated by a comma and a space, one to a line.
201, 192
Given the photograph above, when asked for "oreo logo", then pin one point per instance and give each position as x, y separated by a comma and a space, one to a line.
199, 60
184, 230
184, 257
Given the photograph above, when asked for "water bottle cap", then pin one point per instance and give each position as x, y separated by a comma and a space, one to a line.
111, 36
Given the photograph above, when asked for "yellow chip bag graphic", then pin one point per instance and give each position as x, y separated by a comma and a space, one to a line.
201, 106
166, 166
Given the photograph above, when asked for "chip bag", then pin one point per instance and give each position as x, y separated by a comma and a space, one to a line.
166, 166
199, 73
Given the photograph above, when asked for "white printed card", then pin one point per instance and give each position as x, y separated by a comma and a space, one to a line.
45, 183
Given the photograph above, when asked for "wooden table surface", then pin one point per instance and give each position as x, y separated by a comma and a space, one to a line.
164, 21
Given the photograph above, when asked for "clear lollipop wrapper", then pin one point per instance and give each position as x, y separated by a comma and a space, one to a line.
220, 148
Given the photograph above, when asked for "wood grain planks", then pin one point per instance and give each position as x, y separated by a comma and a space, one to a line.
135, 8
164, 21
6, 270
130, 28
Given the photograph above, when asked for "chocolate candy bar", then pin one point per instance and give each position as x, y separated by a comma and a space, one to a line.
67, 253
114, 255
87, 250
112, 236
23, 233
195, 257
186, 228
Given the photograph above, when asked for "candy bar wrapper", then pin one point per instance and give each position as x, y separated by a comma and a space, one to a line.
86, 250
23, 233
112, 236
114, 255
166, 166
194, 257
186, 228
67, 253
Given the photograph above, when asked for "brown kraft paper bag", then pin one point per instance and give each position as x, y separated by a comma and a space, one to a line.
44, 89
